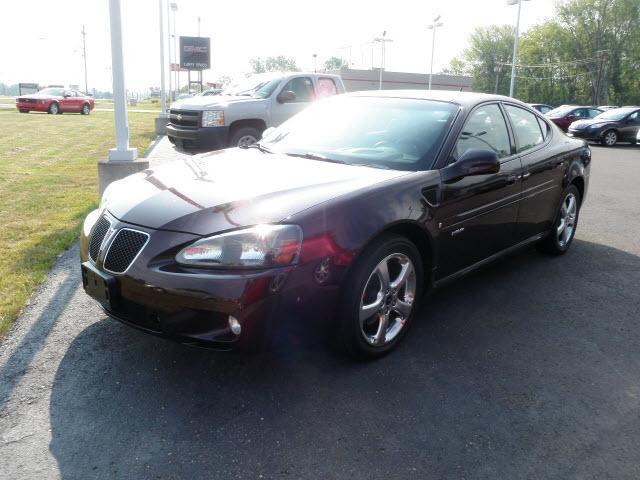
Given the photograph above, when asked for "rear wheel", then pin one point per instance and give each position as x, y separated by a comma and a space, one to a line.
380, 298
86, 109
566, 222
610, 138
244, 136
24, 111
54, 109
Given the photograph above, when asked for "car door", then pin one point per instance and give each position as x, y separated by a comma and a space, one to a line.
630, 127
477, 214
542, 176
302, 88
69, 101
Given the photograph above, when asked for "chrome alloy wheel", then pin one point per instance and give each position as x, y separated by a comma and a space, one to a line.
610, 138
387, 300
568, 216
246, 140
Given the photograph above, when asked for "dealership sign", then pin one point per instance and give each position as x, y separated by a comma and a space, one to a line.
195, 53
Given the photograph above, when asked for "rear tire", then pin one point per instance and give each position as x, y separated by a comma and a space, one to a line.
54, 109
565, 224
244, 136
86, 109
24, 111
610, 138
376, 309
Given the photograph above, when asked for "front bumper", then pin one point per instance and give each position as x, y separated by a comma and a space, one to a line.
33, 106
200, 138
586, 134
193, 306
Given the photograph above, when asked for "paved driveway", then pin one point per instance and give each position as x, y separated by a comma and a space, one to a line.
528, 369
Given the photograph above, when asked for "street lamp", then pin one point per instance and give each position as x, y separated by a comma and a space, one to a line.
514, 62
382, 40
434, 26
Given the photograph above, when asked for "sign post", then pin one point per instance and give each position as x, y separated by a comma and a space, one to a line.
195, 54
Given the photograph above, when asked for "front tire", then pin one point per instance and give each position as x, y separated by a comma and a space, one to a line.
24, 111
380, 298
86, 109
54, 109
244, 136
565, 224
610, 138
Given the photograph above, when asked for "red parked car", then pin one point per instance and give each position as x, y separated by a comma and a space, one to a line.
56, 100
565, 115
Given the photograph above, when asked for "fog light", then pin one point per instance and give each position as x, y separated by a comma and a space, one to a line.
234, 325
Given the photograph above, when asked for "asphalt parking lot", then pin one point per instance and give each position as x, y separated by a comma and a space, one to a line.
527, 369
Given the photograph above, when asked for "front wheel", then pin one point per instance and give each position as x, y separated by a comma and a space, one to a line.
244, 136
86, 109
564, 227
610, 138
53, 108
380, 297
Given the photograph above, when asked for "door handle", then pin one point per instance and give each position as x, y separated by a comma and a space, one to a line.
526, 175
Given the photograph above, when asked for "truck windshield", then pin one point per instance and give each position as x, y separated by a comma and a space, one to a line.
393, 133
261, 86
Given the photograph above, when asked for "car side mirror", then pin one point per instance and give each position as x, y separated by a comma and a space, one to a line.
268, 132
286, 97
475, 161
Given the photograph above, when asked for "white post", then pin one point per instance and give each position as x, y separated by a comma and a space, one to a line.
122, 150
163, 95
169, 51
433, 49
514, 62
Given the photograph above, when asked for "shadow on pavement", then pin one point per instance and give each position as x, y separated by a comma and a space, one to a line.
528, 369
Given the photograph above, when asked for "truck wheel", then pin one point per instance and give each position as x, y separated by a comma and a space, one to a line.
244, 136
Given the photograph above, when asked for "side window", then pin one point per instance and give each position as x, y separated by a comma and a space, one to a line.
526, 128
544, 128
326, 87
634, 118
579, 113
302, 87
485, 129
545, 109
594, 113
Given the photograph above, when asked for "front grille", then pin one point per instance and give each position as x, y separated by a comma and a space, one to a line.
26, 100
99, 231
184, 118
124, 249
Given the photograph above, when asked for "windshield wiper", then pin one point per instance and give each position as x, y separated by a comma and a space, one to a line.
316, 156
257, 145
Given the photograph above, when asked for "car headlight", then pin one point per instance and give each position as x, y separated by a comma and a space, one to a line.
258, 247
105, 197
213, 118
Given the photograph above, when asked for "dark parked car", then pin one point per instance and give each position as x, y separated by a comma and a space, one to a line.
343, 215
610, 127
541, 107
565, 115
56, 100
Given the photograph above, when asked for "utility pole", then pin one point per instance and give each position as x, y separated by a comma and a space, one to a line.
176, 54
161, 121
434, 26
315, 63
169, 52
382, 40
198, 26
514, 62
84, 56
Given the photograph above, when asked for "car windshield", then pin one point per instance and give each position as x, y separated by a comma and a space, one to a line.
52, 91
394, 133
617, 114
559, 112
261, 86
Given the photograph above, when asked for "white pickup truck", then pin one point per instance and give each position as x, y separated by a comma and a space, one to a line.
240, 115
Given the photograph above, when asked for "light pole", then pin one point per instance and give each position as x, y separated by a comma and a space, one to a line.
434, 26
84, 56
169, 52
176, 55
382, 40
163, 96
514, 62
315, 62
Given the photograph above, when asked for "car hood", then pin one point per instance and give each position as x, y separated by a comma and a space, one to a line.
38, 96
582, 124
213, 192
215, 101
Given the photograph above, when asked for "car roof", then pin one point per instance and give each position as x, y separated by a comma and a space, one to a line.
464, 99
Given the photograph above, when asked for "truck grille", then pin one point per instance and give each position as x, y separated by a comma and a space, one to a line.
184, 118
99, 231
124, 249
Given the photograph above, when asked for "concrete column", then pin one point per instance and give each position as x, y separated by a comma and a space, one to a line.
122, 159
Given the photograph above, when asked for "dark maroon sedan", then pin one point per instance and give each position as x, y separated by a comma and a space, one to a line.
565, 115
55, 100
346, 214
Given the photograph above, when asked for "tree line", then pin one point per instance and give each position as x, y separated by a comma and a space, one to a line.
588, 53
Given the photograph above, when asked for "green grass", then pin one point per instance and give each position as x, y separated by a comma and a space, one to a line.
48, 182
